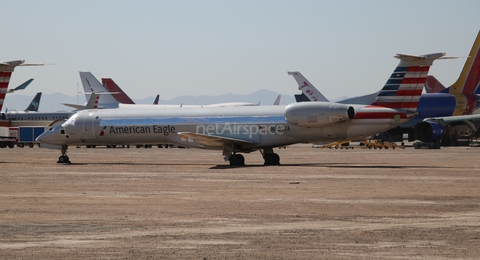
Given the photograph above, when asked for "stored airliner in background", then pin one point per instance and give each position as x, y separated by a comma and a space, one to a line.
437, 108
244, 129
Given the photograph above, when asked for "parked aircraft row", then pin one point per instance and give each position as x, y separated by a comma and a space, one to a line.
437, 108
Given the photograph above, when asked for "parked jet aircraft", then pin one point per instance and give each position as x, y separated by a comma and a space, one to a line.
243, 129
92, 85
459, 99
48, 118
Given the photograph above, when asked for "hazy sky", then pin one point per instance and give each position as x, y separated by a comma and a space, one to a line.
174, 48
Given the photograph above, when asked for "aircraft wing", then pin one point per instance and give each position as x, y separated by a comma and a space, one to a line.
73, 105
212, 140
452, 119
466, 119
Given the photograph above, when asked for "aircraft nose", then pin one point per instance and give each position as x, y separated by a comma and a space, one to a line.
42, 138
47, 137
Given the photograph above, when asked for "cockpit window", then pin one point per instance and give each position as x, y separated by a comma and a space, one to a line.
71, 120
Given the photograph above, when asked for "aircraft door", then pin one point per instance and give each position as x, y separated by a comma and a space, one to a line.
88, 129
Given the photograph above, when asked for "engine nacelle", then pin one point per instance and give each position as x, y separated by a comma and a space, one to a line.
429, 131
316, 114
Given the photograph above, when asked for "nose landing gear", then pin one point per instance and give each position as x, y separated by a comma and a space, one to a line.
64, 157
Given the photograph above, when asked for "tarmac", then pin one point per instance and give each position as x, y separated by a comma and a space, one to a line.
119, 203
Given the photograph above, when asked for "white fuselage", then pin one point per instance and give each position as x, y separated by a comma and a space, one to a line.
256, 127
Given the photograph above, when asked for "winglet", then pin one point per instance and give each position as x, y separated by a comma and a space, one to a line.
155, 102
307, 88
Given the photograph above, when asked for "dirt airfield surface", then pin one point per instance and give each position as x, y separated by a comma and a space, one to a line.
188, 204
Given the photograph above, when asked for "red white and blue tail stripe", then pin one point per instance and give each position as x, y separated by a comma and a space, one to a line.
6, 69
404, 87
4, 80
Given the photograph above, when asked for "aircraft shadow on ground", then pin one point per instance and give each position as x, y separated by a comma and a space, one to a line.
329, 165
226, 166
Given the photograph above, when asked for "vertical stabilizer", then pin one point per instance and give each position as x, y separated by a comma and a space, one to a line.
6, 69
116, 91
307, 88
277, 101
92, 85
35, 103
467, 82
93, 101
432, 85
404, 87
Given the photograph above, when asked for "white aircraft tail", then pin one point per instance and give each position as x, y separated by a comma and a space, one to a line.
277, 101
307, 88
92, 85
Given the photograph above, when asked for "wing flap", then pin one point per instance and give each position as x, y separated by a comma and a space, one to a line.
212, 140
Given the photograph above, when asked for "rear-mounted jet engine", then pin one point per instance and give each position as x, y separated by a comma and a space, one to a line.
316, 114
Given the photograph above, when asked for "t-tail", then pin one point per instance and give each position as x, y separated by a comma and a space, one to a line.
468, 81
6, 69
92, 85
307, 88
404, 87
35, 103
119, 94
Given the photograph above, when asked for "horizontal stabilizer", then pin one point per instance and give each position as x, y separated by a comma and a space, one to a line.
73, 105
22, 86
421, 60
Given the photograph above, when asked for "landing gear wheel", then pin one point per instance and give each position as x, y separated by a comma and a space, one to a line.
237, 160
63, 159
272, 159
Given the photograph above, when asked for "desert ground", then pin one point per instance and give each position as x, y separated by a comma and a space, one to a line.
189, 204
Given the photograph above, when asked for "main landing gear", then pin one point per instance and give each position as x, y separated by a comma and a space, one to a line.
64, 157
236, 160
270, 157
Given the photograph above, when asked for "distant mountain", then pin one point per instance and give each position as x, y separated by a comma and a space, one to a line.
51, 102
